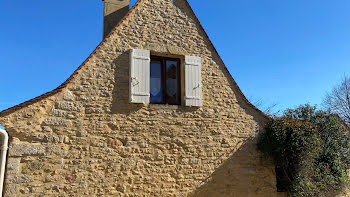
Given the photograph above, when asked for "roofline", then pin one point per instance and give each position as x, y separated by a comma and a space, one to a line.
217, 53
64, 84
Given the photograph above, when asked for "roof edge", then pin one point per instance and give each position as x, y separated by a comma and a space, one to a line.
217, 53
64, 84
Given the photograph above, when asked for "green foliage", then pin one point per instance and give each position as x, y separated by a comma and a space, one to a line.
311, 149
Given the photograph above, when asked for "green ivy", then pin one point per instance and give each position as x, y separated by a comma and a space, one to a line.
311, 149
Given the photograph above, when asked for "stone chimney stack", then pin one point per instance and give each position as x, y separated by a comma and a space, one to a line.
114, 11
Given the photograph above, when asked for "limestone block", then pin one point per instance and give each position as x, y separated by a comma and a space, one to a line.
19, 179
49, 178
54, 138
17, 150
68, 106
58, 113
68, 96
31, 166
82, 134
92, 110
46, 129
57, 122
13, 165
105, 94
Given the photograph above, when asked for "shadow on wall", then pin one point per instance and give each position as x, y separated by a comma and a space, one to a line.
120, 102
246, 173
113, 19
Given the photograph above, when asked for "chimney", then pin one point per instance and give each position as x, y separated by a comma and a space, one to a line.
113, 12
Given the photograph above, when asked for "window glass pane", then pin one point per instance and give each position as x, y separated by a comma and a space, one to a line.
156, 82
171, 82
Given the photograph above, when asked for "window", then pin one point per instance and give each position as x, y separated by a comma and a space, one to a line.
165, 83
155, 79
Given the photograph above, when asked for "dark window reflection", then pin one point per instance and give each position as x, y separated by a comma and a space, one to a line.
171, 81
164, 81
156, 82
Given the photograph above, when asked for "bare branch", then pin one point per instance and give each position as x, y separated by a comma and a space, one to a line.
268, 109
338, 100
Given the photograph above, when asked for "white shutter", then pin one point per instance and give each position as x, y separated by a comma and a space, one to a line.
139, 76
193, 81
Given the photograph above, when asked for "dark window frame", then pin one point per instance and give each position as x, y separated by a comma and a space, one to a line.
163, 79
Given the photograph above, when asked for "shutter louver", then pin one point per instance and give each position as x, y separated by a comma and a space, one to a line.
193, 81
139, 76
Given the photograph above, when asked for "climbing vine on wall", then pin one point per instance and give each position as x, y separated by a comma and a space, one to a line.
311, 150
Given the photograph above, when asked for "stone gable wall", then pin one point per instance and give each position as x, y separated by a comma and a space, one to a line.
88, 140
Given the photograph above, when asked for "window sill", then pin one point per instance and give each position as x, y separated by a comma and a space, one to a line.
163, 106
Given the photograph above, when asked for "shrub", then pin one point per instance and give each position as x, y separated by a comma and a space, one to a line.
311, 149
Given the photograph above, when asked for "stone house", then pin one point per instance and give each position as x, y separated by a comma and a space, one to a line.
153, 111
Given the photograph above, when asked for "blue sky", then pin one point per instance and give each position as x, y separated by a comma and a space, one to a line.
286, 52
